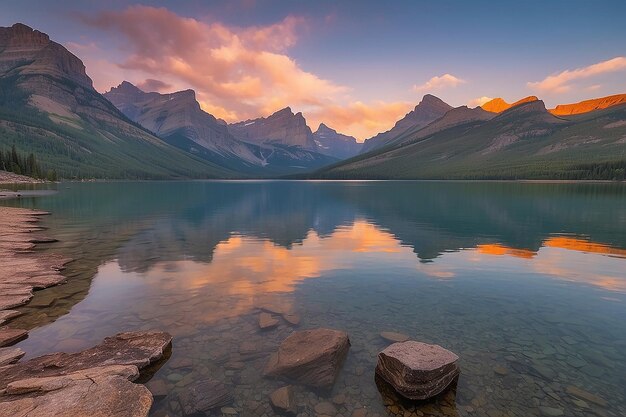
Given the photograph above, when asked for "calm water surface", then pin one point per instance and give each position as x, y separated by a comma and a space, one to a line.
526, 282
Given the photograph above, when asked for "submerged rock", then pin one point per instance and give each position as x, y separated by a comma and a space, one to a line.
283, 400
204, 396
416, 370
94, 392
311, 357
394, 337
267, 321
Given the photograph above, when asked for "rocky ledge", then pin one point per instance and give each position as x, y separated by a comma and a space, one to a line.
417, 371
23, 270
95, 382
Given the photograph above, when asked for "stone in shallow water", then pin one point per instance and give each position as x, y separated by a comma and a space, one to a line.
292, 318
204, 396
132, 348
283, 400
416, 370
587, 396
97, 392
267, 321
394, 337
311, 357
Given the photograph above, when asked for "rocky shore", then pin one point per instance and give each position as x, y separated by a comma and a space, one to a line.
11, 178
97, 381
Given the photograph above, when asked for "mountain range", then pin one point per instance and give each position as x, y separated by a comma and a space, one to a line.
48, 106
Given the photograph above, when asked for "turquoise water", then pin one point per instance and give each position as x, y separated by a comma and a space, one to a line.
526, 282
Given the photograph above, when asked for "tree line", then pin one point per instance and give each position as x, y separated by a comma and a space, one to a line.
24, 164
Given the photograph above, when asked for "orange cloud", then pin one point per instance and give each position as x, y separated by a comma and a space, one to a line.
243, 71
359, 119
561, 82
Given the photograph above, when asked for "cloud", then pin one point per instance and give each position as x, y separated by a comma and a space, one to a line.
438, 83
360, 119
150, 84
479, 101
245, 72
562, 82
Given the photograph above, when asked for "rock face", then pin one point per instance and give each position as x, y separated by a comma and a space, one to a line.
98, 392
427, 111
330, 142
27, 51
283, 127
10, 355
589, 105
310, 357
139, 349
416, 370
498, 105
204, 396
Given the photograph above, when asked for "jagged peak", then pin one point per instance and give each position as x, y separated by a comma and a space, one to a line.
126, 86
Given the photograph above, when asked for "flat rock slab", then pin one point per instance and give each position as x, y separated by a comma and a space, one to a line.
310, 357
133, 348
98, 392
10, 355
11, 336
204, 396
417, 371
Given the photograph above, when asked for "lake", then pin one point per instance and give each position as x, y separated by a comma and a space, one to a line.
526, 282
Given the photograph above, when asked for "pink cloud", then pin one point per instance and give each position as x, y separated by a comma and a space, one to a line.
562, 82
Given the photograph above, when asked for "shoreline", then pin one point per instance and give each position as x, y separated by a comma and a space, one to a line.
62, 383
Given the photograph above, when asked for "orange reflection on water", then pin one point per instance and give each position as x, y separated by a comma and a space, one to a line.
498, 249
581, 245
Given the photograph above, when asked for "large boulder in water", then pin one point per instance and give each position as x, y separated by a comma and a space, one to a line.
417, 371
310, 357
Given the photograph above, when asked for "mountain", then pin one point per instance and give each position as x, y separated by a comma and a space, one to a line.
329, 142
498, 105
456, 117
283, 127
48, 106
589, 105
525, 141
428, 110
178, 119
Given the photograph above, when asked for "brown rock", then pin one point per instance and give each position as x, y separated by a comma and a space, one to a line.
325, 408
7, 315
416, 370
158, 388
204, 396
311, 357
394, 337
11, 336
133, 348
283, 400
99, 392
10, 355
267, 321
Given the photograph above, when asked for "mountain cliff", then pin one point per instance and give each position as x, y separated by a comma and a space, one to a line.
178, 119
498, 105
283, 127
589, 105
48, 106
427, 111
329, 142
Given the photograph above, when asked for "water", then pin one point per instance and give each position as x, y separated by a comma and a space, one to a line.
525, 282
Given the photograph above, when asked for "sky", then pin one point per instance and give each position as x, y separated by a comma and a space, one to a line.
357, 66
